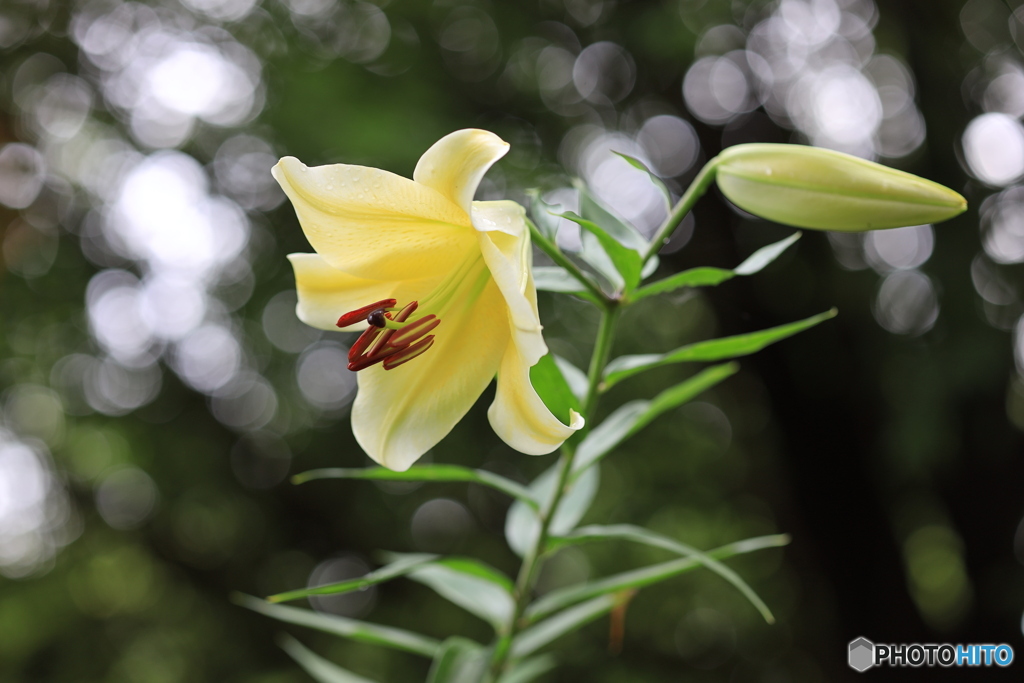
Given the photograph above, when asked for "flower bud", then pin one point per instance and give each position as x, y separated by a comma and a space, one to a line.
810, 187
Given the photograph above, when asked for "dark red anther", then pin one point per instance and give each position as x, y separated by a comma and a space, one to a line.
364, 341
414, 331
384, 339
392, 347
360, 314
406, 311
408, 353
366, 360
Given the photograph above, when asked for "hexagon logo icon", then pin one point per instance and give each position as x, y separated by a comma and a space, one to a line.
862, 654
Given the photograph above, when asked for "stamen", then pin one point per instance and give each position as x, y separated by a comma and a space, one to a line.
364, 341
406, 311
408, 353
413, 331
367, 360
400, 317
389, 338
360, 314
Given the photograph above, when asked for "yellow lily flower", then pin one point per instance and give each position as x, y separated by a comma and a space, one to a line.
442, 286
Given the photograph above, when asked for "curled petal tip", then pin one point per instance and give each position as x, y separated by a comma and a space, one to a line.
286, 165
455, 164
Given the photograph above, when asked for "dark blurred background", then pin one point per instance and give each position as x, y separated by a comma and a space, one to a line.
157, 389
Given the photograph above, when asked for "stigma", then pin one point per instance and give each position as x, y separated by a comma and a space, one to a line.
391, 339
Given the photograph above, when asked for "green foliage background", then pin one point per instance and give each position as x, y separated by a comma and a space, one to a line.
890, 459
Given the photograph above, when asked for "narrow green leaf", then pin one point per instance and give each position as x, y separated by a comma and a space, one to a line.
633, 416
685, 391
624, 232
528, 670
556, 279
627, 261
765, 255
473, 567
593, 292
536, 637
423, 473
316, 666
655, 178
605, 437
694, 277
522, 524
574, 377
459, 661
638, 534
550, 384
594, 255
472, 585
710, 350
360, 631
650, 266
709, 277
638, 578
391, 571
544, 219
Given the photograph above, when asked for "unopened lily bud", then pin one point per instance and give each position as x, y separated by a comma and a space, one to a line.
810, 187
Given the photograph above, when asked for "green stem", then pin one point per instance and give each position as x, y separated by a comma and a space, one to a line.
556, 255
531, 561
599, 359
602, 348
694, 192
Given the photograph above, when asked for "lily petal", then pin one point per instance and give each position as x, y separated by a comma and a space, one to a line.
400, 414
455, 164
326, 292
519, 416
375, 224
505, 243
